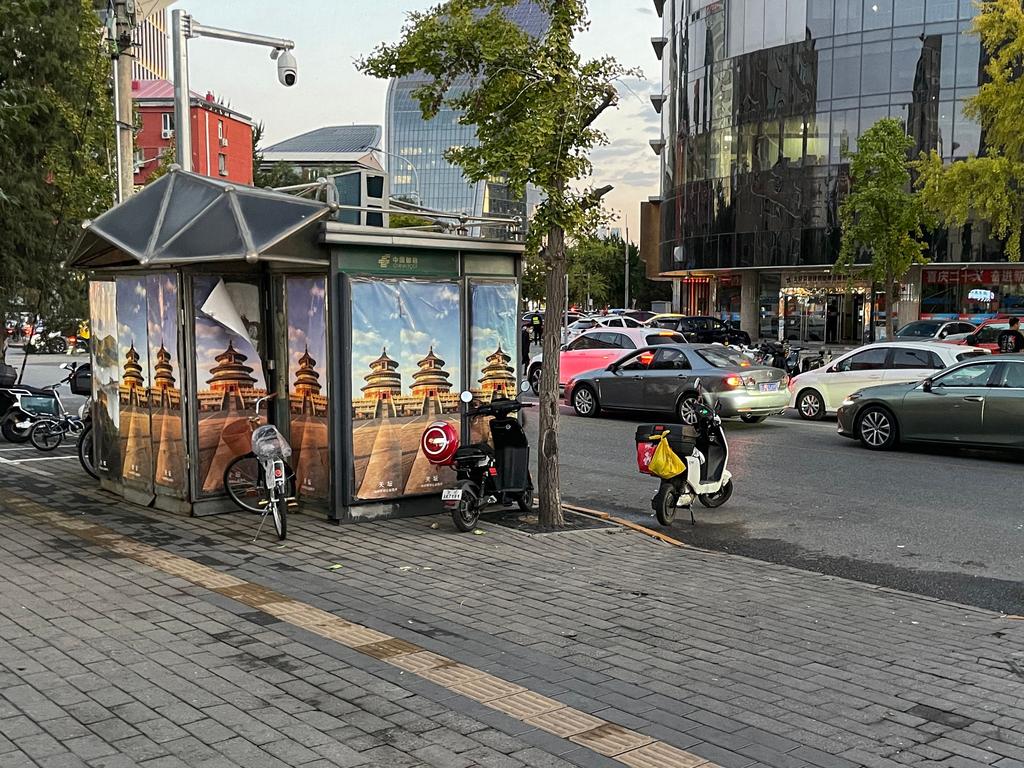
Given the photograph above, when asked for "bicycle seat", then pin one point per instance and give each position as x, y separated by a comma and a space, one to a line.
268, 443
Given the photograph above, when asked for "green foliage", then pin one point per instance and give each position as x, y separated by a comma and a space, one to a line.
881, 216
167, 159
597, 265
989, 187
403, 220
279, 174
56, 119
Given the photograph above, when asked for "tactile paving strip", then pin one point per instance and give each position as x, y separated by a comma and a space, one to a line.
624, 745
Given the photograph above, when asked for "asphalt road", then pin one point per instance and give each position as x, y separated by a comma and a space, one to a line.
943, 523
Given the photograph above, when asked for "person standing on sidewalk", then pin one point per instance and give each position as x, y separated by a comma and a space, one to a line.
1011, 340
524, 346
538, 328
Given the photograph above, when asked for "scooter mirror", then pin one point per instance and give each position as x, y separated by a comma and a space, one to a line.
466, 397
66, 366
524, 385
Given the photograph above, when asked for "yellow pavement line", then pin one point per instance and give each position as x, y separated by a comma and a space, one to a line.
627, 524
627, 746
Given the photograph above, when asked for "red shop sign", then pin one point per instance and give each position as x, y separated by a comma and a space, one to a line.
974, 276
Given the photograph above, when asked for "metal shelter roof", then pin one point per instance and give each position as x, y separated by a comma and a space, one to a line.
185, 218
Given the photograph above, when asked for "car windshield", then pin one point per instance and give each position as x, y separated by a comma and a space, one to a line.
918, 330
724, 358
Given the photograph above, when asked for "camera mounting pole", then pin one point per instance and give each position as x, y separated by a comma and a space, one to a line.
183, 28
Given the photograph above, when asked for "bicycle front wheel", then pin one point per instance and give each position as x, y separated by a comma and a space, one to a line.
46, 434
244, 483
280, 513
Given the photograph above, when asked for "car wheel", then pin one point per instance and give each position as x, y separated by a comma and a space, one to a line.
749, 418
686, 410
584, 401
876, 428
534, 379
810, 405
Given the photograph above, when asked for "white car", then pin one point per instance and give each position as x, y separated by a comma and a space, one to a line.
600, 321
822, 390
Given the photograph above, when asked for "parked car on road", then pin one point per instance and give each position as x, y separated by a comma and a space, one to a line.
664, 378
702, 330
922, 330
600, 321
979, 402
597, 348
821, 390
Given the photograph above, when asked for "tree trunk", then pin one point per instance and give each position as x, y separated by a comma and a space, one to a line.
548, 485
890, 307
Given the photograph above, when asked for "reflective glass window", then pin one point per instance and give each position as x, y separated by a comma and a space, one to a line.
735, 27
906, 53
793, 140
875, 67
823, 75
868, 117
796, 15
848, 16
844, 134
947, 64
745, 139
941, 10
908, 12
877, 14
819, 17
769, 145
753, 20
946, 129
966, 134
774, 22
968, 60
846, 72
817, 139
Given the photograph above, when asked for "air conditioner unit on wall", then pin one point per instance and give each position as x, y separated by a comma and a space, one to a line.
167, 133
223, 141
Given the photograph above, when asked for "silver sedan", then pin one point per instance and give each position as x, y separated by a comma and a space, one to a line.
664, 378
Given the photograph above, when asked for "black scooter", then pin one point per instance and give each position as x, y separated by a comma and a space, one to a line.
21, 406
486, 474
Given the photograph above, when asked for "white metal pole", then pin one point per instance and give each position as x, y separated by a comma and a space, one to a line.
626, 250
182, 118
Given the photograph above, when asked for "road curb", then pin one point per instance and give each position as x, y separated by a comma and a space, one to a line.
599, 515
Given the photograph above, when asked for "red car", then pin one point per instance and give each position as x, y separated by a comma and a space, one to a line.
599, 348
985, 335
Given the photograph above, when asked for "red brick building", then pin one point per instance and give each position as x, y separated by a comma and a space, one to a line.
221, 137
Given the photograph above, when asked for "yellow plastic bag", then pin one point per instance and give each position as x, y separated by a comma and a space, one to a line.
665, 463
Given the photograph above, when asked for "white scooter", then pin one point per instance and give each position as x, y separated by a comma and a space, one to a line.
706, 455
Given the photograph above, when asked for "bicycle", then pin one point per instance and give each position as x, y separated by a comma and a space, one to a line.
85, 446
261, 481
48, 432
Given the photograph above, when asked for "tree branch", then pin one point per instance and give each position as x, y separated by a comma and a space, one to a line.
611, 98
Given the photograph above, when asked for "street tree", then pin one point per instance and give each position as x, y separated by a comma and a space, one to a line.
882, 218
56, 154
534, 102
990, 187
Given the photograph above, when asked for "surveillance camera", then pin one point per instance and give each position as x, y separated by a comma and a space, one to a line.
287, 69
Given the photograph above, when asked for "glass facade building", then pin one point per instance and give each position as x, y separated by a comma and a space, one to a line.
761, 100
416, 147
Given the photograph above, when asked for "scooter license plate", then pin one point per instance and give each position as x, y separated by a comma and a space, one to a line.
451, 494
770, 387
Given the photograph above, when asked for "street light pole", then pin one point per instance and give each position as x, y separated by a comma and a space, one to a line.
625, 249
184, 27
415, 173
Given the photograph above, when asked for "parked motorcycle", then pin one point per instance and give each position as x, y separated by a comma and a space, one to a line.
495, 473
810, 363
85, 441
704, 452
22, 405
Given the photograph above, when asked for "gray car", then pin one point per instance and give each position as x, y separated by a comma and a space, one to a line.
664, 378
979, 402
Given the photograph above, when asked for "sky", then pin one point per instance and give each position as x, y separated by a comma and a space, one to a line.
330, 35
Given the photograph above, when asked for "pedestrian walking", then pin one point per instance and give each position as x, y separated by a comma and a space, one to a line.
538, 328
1011, 340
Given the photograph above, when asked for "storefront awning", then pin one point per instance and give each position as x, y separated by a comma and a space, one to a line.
184, 218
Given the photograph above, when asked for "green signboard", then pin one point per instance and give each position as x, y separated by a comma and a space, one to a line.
398, 261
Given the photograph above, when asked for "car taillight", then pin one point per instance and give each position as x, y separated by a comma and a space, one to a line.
733, 381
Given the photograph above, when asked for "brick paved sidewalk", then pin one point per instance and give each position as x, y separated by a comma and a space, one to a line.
722, 659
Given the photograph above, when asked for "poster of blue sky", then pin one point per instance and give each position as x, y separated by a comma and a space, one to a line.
408, 317
493, 318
